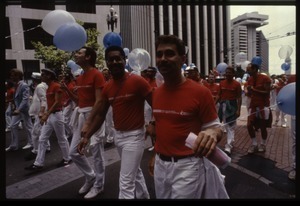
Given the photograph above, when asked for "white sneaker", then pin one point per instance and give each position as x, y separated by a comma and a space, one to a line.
94, 191
283, 125
86, 187
28, 146
7, 130
292, 175
151, 148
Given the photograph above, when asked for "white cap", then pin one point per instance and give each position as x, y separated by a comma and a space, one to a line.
36, 75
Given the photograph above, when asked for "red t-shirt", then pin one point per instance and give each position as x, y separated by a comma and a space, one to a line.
66, 97
127, 98
86, 84
214, 88
259, 99
230, 90
53, 88
178, 112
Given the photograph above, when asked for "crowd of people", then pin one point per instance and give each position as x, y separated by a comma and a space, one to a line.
97, 109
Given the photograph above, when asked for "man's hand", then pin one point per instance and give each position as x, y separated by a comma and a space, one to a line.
206, 142
82, 144
151, 165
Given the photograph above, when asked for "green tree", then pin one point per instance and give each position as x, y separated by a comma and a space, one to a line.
56, 58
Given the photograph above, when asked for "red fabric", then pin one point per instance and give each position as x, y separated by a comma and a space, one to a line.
53, 88
258, 99
178, 112
66, 98
86, 85
127, 98
230, 90
214, 88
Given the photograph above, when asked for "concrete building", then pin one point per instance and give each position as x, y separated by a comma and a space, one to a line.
246, 38
204, 28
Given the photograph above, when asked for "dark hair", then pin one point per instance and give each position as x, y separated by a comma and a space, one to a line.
92, 53
114, 48
18, 72
255, 66
230, 68
171, 39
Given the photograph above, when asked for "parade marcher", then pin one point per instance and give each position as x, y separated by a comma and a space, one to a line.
51, 120
9, 98
36, 111
19, 111
259, 86
126, 93
230, 99
86, 94
181, 106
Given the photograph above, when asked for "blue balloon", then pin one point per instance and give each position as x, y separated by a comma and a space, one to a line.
256, 60
285, 66
184, 66
112, 39
221, 67
286, 99
70, 37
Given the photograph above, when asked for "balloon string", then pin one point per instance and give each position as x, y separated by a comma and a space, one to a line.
223, 124
22, 31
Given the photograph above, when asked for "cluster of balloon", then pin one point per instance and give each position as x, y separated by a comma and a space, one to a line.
286, 99
68, 35
112, 39
221, 67
138, 60
284, 53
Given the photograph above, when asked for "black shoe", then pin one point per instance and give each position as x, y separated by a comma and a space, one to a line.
108, 144
64, 163
48, 151
33, 167
30, 156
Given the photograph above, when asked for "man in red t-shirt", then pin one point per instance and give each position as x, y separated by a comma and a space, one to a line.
51, 120
126, 93
259, 87
180, 106
230, 98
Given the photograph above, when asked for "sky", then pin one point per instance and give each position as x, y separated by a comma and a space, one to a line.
282, 19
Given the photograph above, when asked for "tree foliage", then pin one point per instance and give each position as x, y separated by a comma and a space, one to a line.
56, 58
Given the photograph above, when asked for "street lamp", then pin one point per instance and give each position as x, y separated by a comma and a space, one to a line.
112, 19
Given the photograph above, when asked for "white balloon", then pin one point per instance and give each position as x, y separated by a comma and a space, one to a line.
240, 58
159, 79
285, 52
138, 59
245, 64
54, 19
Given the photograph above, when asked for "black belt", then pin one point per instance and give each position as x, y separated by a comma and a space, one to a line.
55, 111
173, 159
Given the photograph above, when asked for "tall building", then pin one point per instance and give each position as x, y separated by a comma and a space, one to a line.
245, 38
204, 28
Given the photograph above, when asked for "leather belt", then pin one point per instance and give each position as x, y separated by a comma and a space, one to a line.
173, 159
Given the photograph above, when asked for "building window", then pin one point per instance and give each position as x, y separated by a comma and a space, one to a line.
30, 66
9, 65
88, 6
7, 34
39, 5
37, 34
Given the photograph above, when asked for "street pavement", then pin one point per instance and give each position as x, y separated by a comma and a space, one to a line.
248, 177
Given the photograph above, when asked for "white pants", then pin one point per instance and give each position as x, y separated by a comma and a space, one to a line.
131, 145
282, 115
67, 112
35, 135
8, 116
54, 122
293, 132
97, 149
27, 122
230, 130
109, 126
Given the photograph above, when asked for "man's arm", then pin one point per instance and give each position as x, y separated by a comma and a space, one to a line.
94, 121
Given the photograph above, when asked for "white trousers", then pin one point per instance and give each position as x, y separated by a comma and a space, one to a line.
54, 122
131, 145
97, 149
35, 135
27, 122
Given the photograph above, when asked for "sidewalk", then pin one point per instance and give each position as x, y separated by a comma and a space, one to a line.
279, 142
